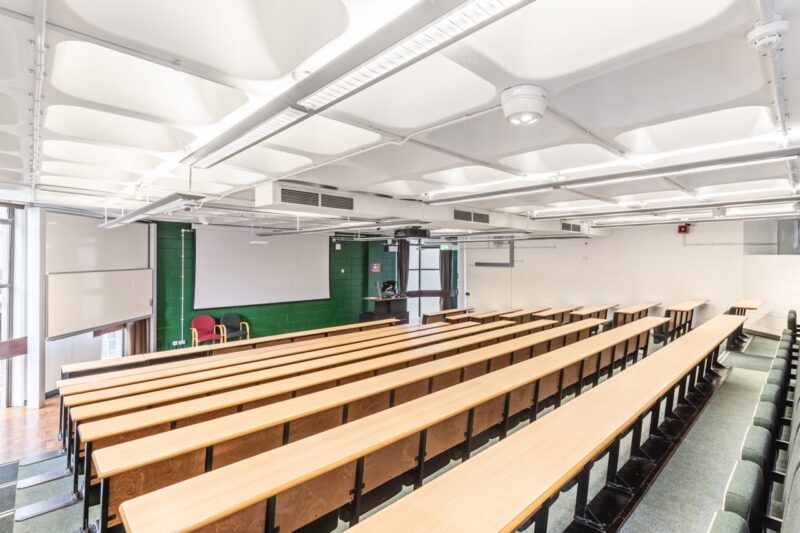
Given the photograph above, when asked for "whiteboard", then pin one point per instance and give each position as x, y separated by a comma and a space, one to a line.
83, 301
75, 244
230, 271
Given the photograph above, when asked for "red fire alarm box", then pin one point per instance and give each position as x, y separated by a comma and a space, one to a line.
683, 228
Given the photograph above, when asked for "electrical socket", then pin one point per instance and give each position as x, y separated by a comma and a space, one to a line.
178, 342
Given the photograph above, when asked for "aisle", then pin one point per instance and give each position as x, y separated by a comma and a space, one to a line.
692, 485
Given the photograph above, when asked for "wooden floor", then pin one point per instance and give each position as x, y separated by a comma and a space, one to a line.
28, 431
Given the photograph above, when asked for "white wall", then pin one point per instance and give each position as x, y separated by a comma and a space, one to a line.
639, 264
776, 279
74, 349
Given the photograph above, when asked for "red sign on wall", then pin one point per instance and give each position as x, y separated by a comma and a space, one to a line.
375, 267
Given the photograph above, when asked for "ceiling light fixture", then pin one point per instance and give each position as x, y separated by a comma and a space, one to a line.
313, 93
524, 104
430, 38
772, 156
167, 204
270, 126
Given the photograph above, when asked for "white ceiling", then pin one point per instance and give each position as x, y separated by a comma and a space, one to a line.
132, 88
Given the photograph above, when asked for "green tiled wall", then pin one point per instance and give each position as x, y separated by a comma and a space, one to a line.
350, 281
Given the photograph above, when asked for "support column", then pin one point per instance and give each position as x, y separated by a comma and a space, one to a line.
37, 307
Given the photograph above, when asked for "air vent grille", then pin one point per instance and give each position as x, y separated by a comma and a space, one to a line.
336, 202
466, 216
566, 226
293, 196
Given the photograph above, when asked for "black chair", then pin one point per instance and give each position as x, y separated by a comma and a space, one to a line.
234, 328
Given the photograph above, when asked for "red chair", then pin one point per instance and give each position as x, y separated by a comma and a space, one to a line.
205, 328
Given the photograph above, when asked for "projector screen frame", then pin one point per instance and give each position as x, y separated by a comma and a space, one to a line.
195, 308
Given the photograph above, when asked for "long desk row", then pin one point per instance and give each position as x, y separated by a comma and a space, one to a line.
272, 489
245, 434
74, 394
91, 367
500, 489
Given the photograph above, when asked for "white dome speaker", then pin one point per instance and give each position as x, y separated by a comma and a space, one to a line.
524, 104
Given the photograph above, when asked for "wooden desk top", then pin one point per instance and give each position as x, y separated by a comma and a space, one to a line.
748, 304
141, 452
109, 363
325, 356
537, 460
478, 315
250, 347
334, 344
637, 308
687, 305
202, 500
523, 312
556, 311
446, 312
91, 431
586, 311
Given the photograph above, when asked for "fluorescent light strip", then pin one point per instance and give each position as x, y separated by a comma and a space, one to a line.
273, 124
707, 168
431, 37
621, 178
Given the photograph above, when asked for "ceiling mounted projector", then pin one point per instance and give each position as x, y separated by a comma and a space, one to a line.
524, 104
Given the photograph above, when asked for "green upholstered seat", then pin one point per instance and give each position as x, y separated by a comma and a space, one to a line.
745, 492
757, 447
771, 393
728, 522
766, 416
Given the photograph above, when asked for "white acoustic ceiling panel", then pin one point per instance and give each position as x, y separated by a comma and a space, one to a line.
325, 136
645, 92
421, 94
101, 156
263, 159
561, 157
540, 42
109, 128
490, 136
103, 76
244, 38
721, 126
405, 160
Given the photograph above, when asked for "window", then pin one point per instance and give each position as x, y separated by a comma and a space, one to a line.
113, 344
7, 245
423, 275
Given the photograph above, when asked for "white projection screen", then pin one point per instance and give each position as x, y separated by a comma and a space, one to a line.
230, 271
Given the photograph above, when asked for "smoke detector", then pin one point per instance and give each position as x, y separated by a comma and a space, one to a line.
524, 104
768, 36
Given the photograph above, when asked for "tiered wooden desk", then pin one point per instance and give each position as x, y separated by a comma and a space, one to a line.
595, 311
560, 314
502, 487
92, 367
523, 315
439, 316
482, 317
632, 312
681, 316
272, 490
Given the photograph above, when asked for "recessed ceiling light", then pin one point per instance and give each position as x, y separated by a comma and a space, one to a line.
524, 104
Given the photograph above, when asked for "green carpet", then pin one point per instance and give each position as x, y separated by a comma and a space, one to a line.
690, 489
762, 346
748, 361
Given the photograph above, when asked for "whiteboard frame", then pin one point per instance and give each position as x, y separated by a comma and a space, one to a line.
47, 336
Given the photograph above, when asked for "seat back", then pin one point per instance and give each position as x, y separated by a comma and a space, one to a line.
204, 323
231, 321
